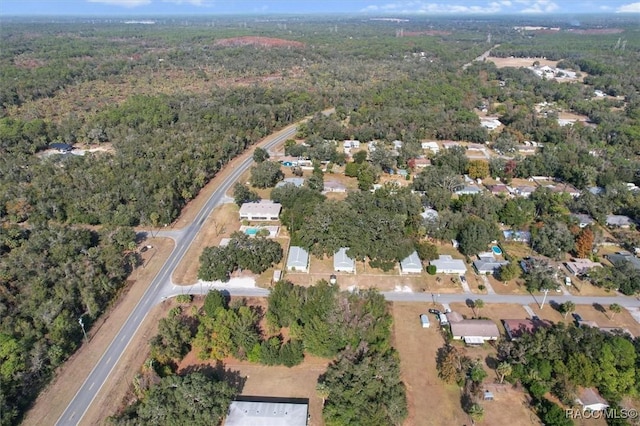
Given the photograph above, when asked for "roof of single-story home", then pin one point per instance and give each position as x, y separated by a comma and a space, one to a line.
298, 259
263, 208
447, 264
581, 266
522, 236
619, 220
624, 256
297, 181
468, 189
516, 328
488, 264
411, 263
583, 219
590, 399
475, 328
250, 413
342, 262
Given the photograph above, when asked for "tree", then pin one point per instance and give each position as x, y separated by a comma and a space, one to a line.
266, 174
478, 169
426, 251
510, 271
477, 305
476, 412
360, 157
476, 373
567, 307
615, 309
584, 243
260, 155
504, 369
552, 240
242, 194
517, 212
540, 276
213, 301
191, 399
475, 235
364, 388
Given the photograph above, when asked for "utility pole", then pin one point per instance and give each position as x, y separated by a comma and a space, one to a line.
545, 291
83, 330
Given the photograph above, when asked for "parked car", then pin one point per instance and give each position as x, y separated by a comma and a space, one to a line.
424, 320
443, 319
434, 311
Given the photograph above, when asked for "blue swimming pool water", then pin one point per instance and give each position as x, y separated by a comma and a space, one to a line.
496, 250
251, 231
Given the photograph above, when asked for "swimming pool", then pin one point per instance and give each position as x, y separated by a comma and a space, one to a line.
496, 250
251, 231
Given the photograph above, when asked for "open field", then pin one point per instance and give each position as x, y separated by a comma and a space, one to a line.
520, 62
432, 402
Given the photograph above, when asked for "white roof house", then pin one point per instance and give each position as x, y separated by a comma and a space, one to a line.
342, 262
411, 264
298, 259
469, 190
297, 181
446, 264
248, 413
397, 144
263, 210
591, 400
430, 146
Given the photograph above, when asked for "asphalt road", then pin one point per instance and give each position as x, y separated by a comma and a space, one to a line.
96, 379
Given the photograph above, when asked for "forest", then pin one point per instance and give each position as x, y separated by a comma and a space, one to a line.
164, 107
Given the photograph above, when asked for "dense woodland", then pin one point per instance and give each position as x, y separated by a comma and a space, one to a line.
168, 107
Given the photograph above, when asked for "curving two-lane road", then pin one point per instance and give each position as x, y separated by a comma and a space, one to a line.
96, 379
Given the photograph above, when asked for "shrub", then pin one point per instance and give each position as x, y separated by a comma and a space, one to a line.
431, 269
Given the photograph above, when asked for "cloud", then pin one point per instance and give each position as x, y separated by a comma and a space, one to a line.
410, 7
205, 3
123, 3
538, 6
629, 8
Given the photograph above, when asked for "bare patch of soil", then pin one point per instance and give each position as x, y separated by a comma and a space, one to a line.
266, 42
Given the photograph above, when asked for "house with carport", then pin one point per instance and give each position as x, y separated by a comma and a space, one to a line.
446, 264
472, 331
342, 262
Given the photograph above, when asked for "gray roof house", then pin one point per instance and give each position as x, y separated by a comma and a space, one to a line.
468, 190
259, 413
263, 210
583, 220
624, 256
297, 181
411, 264
298, 259
446, 264
342, 262
619, 221
474, 332
487, 264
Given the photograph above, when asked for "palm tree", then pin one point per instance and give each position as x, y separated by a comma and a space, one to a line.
476, 412
323, 391
504, 369
478, 304
615, 309
568, 307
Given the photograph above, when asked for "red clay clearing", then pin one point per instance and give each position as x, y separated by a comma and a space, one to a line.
258, 41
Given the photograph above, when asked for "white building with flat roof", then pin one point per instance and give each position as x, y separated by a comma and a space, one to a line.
262, 210
258, 413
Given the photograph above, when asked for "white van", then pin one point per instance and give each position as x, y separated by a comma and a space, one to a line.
443, 319
424, 320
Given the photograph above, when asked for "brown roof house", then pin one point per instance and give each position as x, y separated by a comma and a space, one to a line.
473, 331
516, 328
590, 400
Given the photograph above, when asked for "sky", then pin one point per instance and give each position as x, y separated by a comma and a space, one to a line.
371, 7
